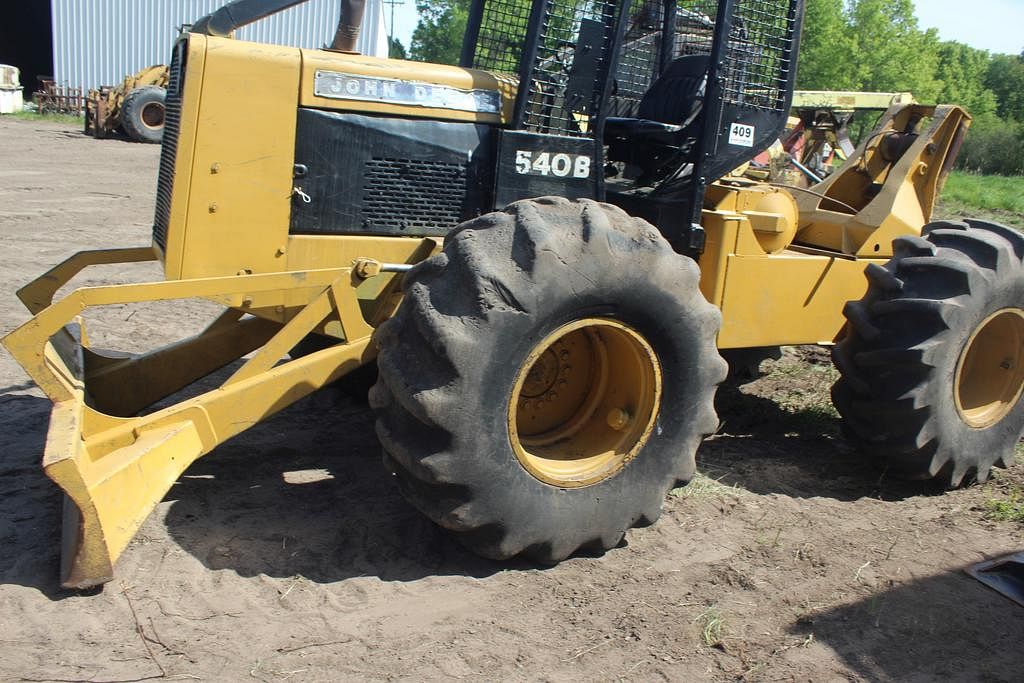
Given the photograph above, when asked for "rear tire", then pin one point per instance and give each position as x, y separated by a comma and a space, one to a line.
546, 297
932, 367
142, 114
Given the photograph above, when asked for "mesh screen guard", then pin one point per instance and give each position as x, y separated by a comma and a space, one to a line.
563, 55
757, 58
752, 46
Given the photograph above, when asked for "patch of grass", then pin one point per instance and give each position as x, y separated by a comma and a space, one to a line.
712, 627
1009, 509
986, 196
701, 486
55, 118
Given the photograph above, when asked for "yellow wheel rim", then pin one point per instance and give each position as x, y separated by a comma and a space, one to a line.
990, 372
584, 402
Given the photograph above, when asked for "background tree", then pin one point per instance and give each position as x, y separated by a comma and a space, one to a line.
826, 44
962, 72
1005, 77
396, 50
890, 53
438, 35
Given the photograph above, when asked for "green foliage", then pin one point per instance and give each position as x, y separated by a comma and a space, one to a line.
1005, 78
994, 146
871, 45
963, 70
438, 36
826, 39
396, 50
891, 54
1010, 509
27, 115
877, 45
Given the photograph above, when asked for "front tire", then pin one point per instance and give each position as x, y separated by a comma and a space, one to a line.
547, 379
143, 113
932, 367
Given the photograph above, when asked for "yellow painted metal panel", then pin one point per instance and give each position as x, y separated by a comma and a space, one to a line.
788, 298
240, 197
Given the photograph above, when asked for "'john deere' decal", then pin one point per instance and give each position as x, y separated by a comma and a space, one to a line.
342, 86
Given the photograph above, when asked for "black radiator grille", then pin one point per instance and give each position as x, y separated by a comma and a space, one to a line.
169, 148
412, 194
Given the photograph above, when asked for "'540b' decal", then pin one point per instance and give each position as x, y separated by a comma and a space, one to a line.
545, 163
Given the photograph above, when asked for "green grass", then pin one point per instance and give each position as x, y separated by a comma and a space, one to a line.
701, 486
1009, 509
712, 627
965, 193
56, 118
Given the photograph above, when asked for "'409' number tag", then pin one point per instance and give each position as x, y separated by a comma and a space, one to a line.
741, 135
559, 165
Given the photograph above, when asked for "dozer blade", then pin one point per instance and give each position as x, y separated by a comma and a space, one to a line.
116, 465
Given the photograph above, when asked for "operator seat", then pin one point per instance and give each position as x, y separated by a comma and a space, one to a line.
668, 117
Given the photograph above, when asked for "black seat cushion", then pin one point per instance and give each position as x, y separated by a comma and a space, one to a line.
678, 94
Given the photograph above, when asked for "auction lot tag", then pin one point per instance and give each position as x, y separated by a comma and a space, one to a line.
741, 135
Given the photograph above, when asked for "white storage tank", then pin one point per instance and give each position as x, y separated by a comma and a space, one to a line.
10, 90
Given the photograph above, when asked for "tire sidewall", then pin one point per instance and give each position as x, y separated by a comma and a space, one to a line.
655, 315
134, 104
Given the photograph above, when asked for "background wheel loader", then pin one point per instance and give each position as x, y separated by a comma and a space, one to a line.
547, 368
135, 106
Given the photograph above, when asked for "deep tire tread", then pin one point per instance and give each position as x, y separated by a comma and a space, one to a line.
904, 338
488, 275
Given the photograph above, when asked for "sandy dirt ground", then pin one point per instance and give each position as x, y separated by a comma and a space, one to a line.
289, 554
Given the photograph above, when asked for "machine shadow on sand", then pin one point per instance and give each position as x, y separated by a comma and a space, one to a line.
910, 631
305, 493
765, 448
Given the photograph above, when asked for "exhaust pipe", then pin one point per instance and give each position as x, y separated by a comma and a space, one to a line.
348, 26
240, 13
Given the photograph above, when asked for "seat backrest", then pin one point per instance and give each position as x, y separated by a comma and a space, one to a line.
678, 94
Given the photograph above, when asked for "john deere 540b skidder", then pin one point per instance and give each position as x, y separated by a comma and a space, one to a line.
543, 252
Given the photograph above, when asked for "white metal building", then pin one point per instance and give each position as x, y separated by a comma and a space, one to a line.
99, 42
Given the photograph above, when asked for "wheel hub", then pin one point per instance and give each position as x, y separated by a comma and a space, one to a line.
584, 402
153, 115
990, 373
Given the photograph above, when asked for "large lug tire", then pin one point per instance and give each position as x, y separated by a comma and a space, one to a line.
142, 113
547, 379
932, 366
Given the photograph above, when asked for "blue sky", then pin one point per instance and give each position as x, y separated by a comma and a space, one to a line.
994, 25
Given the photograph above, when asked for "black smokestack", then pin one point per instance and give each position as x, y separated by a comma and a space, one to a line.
348, 25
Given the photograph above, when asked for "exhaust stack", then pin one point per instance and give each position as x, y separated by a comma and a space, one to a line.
348, 26
239, 13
